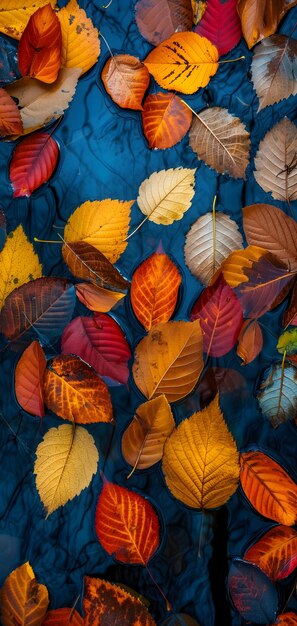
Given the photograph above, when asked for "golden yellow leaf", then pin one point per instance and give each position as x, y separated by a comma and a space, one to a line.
23, 600
233, 267
169, 360
102, 223
143, 441
80, 39
14, 272
201, 461
66, 460
15, 14
166, 195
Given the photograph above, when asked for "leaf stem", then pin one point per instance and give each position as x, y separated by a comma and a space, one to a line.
232, 60
168, 605
137, 228
46, 240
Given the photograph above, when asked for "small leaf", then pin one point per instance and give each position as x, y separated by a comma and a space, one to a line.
126, 80
10, 117
252, 593
39, 50
104, 601
15, 15
275, 553
250, 341
286, 619
33, 163
88, 263
23, 599
278, 394
29, 374
13, 271
158, 19
165, 196
287, 342
63, 617
80, 38
221, 25
261, 19
166, 119
96, 298
273, 68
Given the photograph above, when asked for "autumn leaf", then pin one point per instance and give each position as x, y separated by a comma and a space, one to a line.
15, 15
269, 227
268, 487
10, 117
286, 619
80, 38
154, 290
234, 267
13, 271
221, 25
33, 162
97, 298
63, 617
287, 342
39, 50
126, 80
221, 140
158, 19
23, 600
165, 119
126, 524
261, 19
169, 360
183, 62
28, 376
104, 601
143, 441
252, 593
278, 393
88, 263
273, 67
103, 224
275, 553
66, 461
290, 315
200, 460
250, 341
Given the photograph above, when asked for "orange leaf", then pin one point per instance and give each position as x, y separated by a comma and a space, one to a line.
97, 298
286, 619
23, 600
33, 163
126, 80
39, 51
63, 617
10, 117
275, 553
158, 19
268, 487
154, 290
105, 603
88, 263
29, 374
166, 119
250, 341
126, 525
73, 391
261, 19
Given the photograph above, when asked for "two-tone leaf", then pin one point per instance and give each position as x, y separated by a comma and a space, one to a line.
39, 50
275, 553
23, 599
253, 594
33, 163
104, 601
88, 263
278, 393
165, 119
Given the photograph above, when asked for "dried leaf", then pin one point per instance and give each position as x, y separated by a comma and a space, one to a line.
13, 271
278, 394
63, 617
33, 162
126, 80
287, 342
275, 553
10, 117
88, 263
166, 119
221, 25
252, 593
97, 298
23, 600
261, 19
290, 315
80, 38
274, 67
15, 14
29, 374
250, 341
104, 601
158, 19
165, 196
39, 50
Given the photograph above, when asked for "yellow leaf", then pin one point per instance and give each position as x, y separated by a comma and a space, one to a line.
15, 14
183, 62
66, 460
201, 461
166, 195
143, 441
169, 360
233, 267
14, 272
23, 600
102, 223
80, 39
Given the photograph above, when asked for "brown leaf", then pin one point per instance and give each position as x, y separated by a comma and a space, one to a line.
260, 18
166, 119
88, 263
158, 19
126, 80
105, 603
250, 341
270, 228
274, 67
290, 316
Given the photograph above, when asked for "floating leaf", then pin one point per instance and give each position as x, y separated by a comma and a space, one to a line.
278, 394
23, 599
200, 460
154, 290
221, 140
33, 163
268, 487
275, 553
13, 271
169, 360
166, 119
104, 601
88, 263
63, 617
39, 50
96, 298
16, 13
143, 441
10, 117
29, 374
252, 593
273, 68
103, 224
126, 80
165, 196
99, 341
66, 461
221, 25
158, 19
250, 341
183, 62
287, 342
80, 38
73, 391
127, 526
209, 242
220, 316
275, 161
261, 19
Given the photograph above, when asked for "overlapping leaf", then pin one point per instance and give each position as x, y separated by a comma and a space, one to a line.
23, 600
80, 38
63, 617
104, 601
235, 265
15, 14
88, 263
270, 228
261, 19
278, 394
166, 119
10, 117
221, 25
13, 271
126, 80
29, 374
252, 593
33, 163
158, 19
275, 553
165, 196
97, 298
290, 316
274, 66
39, 50
250, 341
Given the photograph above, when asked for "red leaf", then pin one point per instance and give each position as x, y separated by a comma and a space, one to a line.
275, 553
32, 164
63, 617
221, 25
166, 119
10, 117
39, 52
29, 374
220, 316
126, 525
99, 341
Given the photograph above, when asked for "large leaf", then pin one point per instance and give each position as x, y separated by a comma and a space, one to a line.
80, 38
106, 602
103, 224
165, 196
39, 50
97, 298
29, 374
268, 487
154, 290
183, 62
261, 19
126, 80
220, 316
143, 441
66, 461
221, 25
23, 600
200, 460
221, 140
250, 341
252, 593
14, 15
88, 263
127, 526
275, 553
169, 360
158, 19
275, 169
274, 66
99, 341
209, 242
278, 394
73, 391
13, 271
63, 617
32, 164
10, 117
166, 119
